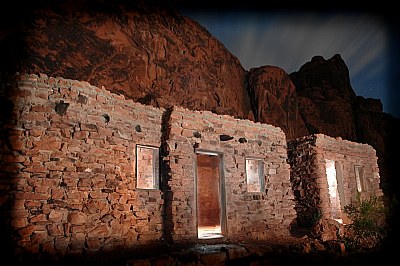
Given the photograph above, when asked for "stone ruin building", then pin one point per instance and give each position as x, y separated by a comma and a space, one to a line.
327, 173
87, 170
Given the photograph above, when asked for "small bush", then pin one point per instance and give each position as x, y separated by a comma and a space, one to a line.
368, 227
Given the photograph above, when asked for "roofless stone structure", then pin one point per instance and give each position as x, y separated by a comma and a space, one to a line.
85, 170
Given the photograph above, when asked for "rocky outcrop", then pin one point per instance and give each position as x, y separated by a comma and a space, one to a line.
274, 100
328, 105
326, 97
150, 54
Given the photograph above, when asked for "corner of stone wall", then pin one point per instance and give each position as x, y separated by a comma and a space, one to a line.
302, 159
166, 176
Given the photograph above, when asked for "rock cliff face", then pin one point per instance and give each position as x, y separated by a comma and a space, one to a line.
274, 100
156, 56
326, 97
151, 55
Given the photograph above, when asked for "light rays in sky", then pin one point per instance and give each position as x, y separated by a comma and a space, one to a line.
289, 40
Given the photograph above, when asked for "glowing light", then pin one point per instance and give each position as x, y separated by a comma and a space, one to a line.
358, 180
208, 232
333, 190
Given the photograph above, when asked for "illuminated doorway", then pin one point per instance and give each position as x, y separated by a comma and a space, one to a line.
210, 195
334, 187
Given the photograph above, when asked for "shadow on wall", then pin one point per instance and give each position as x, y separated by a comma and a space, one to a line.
168, 194
8, 165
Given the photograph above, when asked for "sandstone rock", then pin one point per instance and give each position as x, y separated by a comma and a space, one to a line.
328, 105
335, 247
149, 54
327, 229
274, 100
57, 215
77, 218
325, 97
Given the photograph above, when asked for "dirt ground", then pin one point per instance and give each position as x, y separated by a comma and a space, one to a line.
299, 249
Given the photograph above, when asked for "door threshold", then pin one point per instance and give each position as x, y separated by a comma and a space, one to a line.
210, 236
209, 232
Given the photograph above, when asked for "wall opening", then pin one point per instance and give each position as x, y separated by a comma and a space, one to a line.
147, 167
340, 184
255, 174
360, 178
333, 188
210, 195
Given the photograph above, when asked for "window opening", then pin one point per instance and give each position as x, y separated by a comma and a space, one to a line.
255, 174
147, 167
359, 178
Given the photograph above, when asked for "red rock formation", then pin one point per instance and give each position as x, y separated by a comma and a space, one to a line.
328, 104
152, 55
326, 97
274, 100
319, 98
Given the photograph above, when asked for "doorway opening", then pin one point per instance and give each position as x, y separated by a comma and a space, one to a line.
335, 185
210, 195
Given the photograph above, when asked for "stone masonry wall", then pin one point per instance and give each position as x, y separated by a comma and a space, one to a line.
248, 214
308, 157
348, 154
303, 176
68, 169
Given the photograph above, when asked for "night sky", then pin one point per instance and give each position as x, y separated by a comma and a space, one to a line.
366, 40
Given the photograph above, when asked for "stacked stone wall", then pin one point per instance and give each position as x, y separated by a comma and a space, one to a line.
248, 214
348, 155
68, 171
68, 168
304, 179
307, 157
